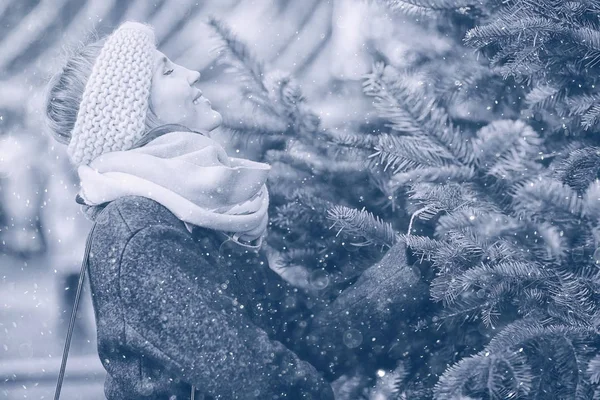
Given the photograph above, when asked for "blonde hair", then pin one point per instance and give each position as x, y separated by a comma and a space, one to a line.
64, 90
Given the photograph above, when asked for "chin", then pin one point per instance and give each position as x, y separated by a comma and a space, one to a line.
217, 120
207, 122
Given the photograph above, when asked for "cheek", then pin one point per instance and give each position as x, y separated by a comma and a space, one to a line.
168, 103
157, 99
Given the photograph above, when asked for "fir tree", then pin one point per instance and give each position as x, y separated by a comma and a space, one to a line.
502, 229
553, 206
500, 245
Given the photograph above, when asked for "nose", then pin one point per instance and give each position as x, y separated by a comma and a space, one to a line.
194, 77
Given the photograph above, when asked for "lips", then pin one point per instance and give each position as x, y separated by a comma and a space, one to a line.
197, 96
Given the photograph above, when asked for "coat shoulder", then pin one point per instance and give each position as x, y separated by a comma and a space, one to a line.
138, 212
124, 217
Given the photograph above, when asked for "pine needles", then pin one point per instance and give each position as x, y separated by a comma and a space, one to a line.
554, 46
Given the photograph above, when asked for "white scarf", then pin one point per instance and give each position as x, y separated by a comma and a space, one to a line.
192, 176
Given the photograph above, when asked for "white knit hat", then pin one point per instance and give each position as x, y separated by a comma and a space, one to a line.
112, 113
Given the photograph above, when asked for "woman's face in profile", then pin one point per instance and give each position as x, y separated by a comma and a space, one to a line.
176, 100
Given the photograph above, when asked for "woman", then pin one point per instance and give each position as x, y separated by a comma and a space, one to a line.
172, 309
183, 297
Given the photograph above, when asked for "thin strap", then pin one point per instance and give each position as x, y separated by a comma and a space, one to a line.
84, 264
63, 366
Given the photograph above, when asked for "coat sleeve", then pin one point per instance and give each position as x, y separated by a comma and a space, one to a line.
178, 303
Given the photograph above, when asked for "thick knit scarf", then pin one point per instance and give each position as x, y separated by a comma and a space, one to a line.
192, 176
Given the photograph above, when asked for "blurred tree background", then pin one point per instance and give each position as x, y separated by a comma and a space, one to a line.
459, 133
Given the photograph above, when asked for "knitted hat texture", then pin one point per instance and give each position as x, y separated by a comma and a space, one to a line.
112, 113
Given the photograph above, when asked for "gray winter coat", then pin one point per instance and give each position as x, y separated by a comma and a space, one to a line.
170, 314
175, 309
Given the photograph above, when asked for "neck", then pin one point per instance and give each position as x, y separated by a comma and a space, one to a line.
161, 130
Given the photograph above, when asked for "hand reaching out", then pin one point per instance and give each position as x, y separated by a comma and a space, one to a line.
296, 275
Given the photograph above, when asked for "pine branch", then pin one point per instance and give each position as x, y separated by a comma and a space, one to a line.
408, 153
469, 244
518, 333
544, 96
574, 295
589, 38
482, 288
437, 198
578, 105
484, 276
539, 197
467, 370
362, 223
442, 254
290, 215
313, 198
398, 98
351, 140
505, 29
591, 117
305, 206
411, 10
553, 239
428, 8
238, 56
505, 148
523, 62
551, 46
593, 370
579, 169
510, 341
530, 8
488, 225
488, 373
285, 96
439, 175
465, 84
412, 111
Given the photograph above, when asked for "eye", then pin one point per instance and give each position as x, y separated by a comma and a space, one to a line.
168, 72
